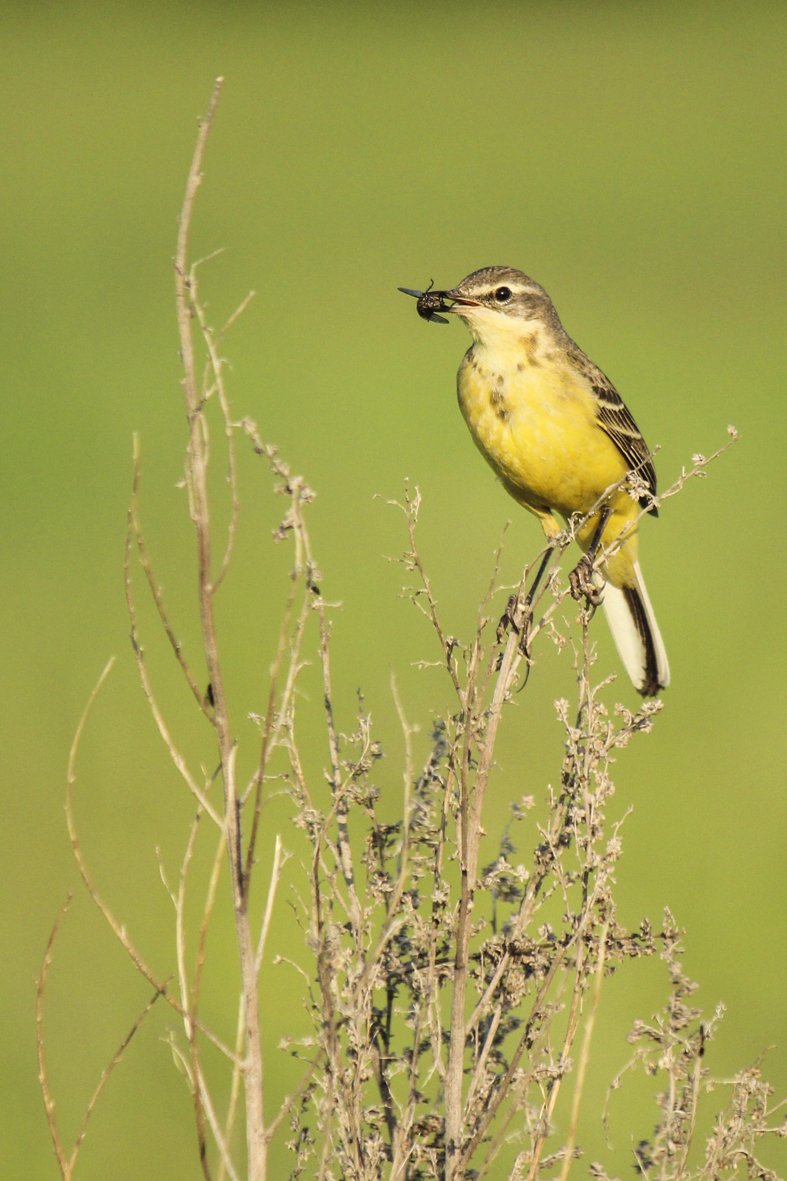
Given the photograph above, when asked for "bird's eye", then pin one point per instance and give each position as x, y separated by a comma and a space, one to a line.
502, 294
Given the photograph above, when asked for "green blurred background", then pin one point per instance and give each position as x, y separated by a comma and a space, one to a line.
629, 157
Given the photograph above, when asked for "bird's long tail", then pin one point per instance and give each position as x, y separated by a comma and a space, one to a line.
636, 635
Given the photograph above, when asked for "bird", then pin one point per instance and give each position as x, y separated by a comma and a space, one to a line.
562, 442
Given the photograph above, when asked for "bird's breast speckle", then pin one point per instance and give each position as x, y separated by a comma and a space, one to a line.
533, 424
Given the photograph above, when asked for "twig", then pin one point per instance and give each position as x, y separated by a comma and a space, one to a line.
584, 1056
197, 487
178, 760
64, 1163
67, 1161
135, 530
113, 922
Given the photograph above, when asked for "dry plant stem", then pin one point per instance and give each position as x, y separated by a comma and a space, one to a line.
472, 788
113, 922
275, 709
411, 508
584, 1056
291, 631
67, 1161
180, 763
197, 487
226, 1166
393, 919
525, 915
503, 1088
586, 707
64, 1163
135, 530
189, 1006
225, 1153
117, 927
337, 790
214, 382
190, 996
471, 805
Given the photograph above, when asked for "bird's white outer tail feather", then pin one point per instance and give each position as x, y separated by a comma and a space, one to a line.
637, 636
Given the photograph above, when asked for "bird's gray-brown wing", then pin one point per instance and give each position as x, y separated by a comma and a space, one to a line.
616, 419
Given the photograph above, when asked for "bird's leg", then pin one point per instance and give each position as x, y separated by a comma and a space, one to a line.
519, 615
580, 579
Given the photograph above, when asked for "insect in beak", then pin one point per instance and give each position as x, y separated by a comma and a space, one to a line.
429, 303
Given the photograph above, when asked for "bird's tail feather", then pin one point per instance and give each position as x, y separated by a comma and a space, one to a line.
636, 635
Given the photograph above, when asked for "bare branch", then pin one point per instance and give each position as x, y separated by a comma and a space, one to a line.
67, 1161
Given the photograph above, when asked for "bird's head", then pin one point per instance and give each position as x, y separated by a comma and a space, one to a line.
499, 301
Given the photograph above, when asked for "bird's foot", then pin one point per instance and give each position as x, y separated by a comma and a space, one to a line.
586, 583
518, 616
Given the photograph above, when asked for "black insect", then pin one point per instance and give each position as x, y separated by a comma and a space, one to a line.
429, 302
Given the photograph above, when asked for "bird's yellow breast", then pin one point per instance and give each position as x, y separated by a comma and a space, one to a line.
533, 417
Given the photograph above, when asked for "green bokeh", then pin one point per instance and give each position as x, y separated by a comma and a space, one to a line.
628, 157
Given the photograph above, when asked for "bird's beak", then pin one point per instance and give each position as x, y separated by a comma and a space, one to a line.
458, 301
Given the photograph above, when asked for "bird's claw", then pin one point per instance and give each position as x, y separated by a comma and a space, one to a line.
584, 584
507, 620
518, 616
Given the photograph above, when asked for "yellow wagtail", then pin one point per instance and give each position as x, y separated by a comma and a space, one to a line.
560, 438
